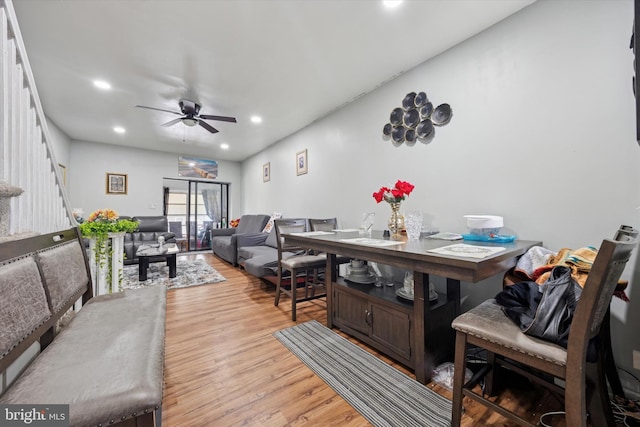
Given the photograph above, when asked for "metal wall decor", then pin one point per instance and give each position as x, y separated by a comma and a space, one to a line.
415, 120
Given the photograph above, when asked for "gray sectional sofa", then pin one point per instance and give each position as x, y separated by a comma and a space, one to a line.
224, 240
258, 254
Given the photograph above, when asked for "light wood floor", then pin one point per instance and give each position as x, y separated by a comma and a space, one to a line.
224, 368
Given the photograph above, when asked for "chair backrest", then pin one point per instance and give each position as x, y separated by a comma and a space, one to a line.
625, 230
252, 223
151, 223
327, 224
290, 225
176, 228
597, 292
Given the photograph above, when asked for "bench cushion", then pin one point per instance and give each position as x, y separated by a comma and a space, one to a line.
107, 363
23, 302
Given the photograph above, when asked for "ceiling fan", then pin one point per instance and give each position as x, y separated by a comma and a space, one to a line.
191, 116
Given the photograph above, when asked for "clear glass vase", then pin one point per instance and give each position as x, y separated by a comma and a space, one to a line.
396, 221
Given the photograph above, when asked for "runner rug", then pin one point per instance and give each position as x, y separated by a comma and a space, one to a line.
381, 393
188, 273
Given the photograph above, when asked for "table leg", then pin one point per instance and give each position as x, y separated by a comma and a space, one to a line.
143, 265
171, 262
453, 295
421, 315
330, 276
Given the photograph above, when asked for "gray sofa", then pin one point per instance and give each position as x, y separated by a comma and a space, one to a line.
149, 229
224, 240
258, 254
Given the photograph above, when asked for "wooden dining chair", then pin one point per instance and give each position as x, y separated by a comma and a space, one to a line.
324, 224
487, 327
327, 224
302, 267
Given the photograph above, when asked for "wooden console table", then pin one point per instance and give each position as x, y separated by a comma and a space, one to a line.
402, 328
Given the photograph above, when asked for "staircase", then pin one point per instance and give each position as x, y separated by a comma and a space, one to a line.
27, 161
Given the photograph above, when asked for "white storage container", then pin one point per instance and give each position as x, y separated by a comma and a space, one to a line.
484, 225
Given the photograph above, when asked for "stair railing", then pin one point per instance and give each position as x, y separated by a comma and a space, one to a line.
27, 159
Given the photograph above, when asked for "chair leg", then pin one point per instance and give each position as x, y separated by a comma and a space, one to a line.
600, 412
294, 293
490, 379
278, 291
575, 401
460, 366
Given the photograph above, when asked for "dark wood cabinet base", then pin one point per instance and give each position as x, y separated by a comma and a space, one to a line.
384, 321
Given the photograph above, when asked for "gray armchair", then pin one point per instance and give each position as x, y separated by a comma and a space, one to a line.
224, 240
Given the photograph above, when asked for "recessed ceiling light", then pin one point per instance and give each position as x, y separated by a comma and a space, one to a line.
391, 4
224, 146
119, 129
101, 84
256, 119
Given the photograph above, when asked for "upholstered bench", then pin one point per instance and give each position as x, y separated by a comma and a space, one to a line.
107, 363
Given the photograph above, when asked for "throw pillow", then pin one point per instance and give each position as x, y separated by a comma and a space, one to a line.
271, 239
269, 226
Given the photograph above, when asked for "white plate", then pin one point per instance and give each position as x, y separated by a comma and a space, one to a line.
402, 294
363, 279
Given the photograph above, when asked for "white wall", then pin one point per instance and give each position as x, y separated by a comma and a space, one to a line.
60, 143
543, 133
89, 163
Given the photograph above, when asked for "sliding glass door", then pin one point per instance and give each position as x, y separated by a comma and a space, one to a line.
193, 208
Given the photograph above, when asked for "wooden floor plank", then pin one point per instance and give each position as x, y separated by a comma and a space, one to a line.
223, 367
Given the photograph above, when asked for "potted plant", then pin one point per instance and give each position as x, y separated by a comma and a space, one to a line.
100, 226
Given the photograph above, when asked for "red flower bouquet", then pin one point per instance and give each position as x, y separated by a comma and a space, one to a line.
394, 195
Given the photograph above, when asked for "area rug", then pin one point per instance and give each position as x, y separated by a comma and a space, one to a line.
188, 273
381, 393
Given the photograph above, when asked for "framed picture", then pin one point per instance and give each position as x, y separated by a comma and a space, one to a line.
193, 167
266, 172
301, 162
116, 183
63, 172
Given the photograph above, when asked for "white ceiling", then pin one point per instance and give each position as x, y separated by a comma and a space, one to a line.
291, 62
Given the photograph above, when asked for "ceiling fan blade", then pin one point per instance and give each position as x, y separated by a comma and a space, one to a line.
159, 109
207, 126
173, 122
219, 118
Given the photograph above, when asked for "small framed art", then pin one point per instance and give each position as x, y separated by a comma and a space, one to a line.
301, 162
266, 172
116, 183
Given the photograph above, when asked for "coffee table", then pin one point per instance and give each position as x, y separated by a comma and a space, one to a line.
145, 252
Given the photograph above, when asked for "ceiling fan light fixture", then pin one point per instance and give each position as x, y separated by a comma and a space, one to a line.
190, 121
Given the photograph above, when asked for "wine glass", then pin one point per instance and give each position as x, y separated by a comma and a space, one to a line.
367, 222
